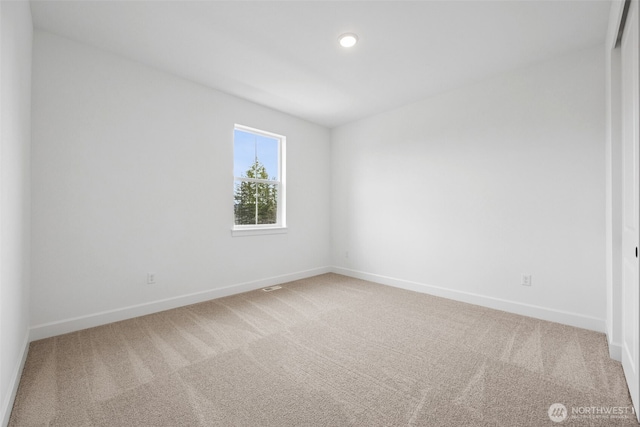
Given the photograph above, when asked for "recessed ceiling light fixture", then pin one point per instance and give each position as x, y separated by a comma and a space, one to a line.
348, 40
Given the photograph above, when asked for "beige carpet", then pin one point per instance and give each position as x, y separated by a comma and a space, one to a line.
324, 351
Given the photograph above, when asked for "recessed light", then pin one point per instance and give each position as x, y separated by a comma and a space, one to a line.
348, 40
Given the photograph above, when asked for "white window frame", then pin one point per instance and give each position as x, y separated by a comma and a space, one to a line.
281, 226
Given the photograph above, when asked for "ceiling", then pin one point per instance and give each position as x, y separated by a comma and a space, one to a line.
285, 55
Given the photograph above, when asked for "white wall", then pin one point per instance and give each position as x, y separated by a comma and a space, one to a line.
133, 173
15, 133
461, 193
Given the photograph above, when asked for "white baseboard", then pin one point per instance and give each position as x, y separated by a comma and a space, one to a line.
47, 330
564, 317
7, 405
75, 324
615, 351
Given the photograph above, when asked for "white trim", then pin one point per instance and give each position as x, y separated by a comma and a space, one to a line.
615, 350
282, 174
82, 322
7, 405
613, 157
257, 180
51, 329
257, 231
258, 131
615, 19
558, 316
3, 404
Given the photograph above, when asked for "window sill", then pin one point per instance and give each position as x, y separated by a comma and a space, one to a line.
242, 232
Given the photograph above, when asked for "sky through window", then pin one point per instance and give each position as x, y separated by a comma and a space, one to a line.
248, 147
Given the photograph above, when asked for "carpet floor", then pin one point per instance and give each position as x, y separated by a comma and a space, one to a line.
324, 351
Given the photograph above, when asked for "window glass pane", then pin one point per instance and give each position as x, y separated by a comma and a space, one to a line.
267, 204
267, 154
244, 207
244, 152
256, 158
249, 148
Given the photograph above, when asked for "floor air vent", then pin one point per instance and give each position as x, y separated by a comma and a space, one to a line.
272, 288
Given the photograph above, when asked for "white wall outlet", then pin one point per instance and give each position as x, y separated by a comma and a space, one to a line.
151, 278
526, 280
346, 254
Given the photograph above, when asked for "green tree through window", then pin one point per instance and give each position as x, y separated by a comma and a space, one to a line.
256, 202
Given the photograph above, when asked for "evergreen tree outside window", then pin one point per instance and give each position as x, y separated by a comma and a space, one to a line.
258, 179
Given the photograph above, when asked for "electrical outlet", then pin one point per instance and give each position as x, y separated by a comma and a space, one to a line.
526, 280
346, 254
151, 278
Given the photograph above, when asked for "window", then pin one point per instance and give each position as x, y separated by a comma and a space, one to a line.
258, 168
